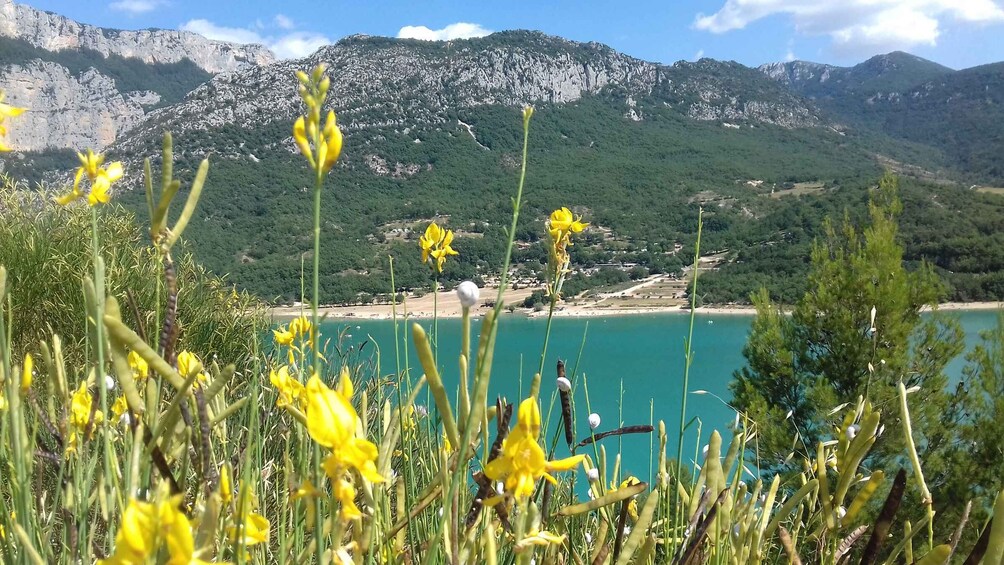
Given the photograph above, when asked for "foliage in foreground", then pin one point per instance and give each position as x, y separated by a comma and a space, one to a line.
169, 459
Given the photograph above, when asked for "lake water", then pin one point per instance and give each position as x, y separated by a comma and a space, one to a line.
639, 359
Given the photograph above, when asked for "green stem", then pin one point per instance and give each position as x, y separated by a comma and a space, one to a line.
99, 373
535, 389
315, 351
504, 275
686, 369
465, 350
435, 320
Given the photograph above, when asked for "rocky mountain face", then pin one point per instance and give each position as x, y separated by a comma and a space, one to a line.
409, 86
885, 74
67, 110
73, 77
53, 32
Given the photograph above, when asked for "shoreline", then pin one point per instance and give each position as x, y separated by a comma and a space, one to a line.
448, 308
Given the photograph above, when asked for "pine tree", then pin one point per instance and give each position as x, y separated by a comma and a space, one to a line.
832, 349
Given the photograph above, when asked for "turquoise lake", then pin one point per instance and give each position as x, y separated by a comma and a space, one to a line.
639, 359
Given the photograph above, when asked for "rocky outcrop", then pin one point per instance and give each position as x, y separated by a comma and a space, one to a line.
86, 108
53, 32
410, 84
67, 111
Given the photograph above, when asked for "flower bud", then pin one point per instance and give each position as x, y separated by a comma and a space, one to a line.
852, 431
26, 373
593, 474
468, 293
564, 385
594, 421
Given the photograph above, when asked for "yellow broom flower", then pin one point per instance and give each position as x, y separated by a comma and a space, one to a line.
80, 416
289, 389
27, 373
139, 366
101, 179
6, 111
136, 540
333, 423
189, 363
321, 146
522, 461
436, 243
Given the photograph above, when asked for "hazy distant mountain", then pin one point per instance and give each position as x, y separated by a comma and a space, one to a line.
960, 113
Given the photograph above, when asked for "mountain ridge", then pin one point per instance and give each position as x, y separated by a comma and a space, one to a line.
84, 85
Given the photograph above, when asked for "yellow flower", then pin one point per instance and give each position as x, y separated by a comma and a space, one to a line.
436, 243
189, 363
429, 240
563, 221
444, 250
139, 366
300, 136
80, 415
119, 408
26, 373
633, 505
6, 111
301, 327
226, 487
522, 461
283, 336
560, 226
177, 533
256, 530
100, 178
321, 146
3, 402
290, 390
331, 146
539, 537
333, 423
136, 540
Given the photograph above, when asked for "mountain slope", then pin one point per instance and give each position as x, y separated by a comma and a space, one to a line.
432, 130
959, 113
53, 32
892, 72
85, 85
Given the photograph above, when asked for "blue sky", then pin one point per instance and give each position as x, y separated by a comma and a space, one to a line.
956, 33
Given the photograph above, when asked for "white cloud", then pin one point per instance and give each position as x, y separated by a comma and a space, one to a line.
858, 25
290, 45
135, 7
283, 22
459, 30
208, 29
297, 44
699, 55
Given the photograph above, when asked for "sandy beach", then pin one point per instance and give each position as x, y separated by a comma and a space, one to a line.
653, 295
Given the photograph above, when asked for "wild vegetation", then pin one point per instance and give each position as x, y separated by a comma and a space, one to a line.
149, 447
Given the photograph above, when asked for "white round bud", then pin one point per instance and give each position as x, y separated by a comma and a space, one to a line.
594, 421
468, 293
564, 385
852, 431
593, 474
109, 382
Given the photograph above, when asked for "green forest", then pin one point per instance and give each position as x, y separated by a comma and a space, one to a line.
639, 183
